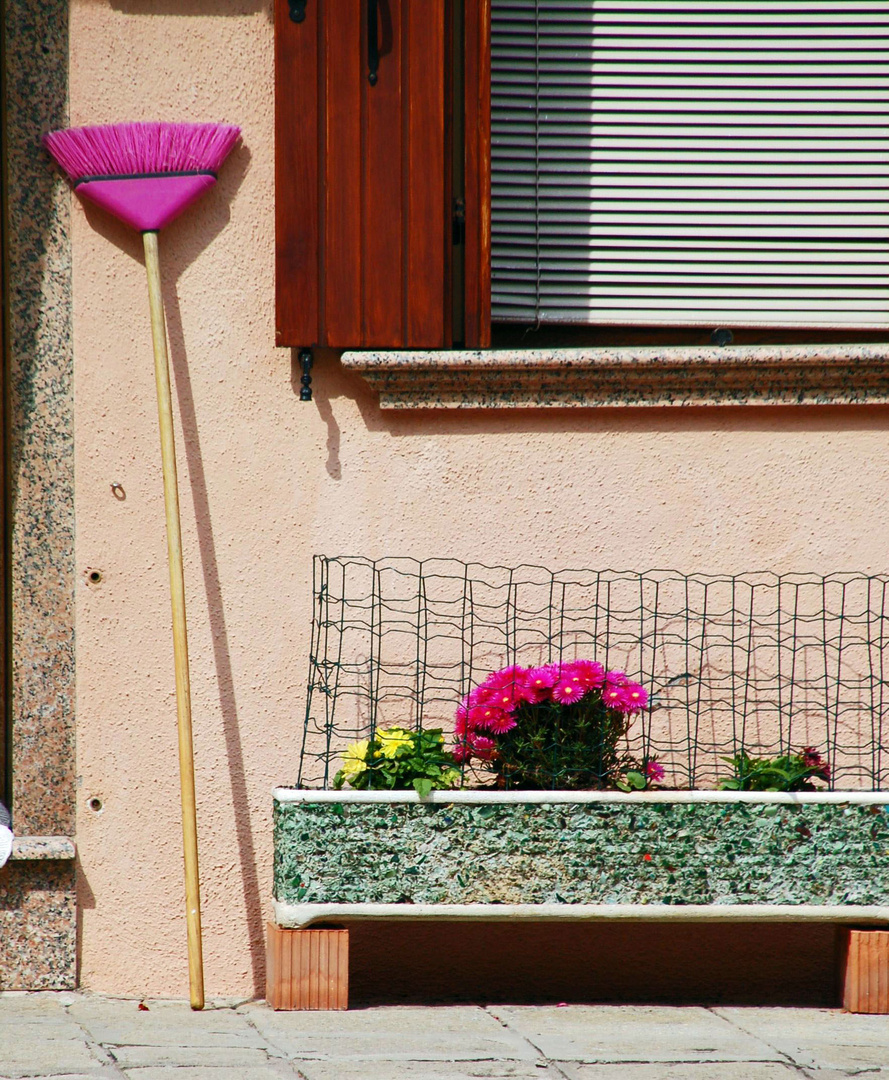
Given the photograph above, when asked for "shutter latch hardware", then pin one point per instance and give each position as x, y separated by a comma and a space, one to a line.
373, 41
305, 361
298, 10
459, 222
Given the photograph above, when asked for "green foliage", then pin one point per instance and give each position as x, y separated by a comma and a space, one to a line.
633, 780
788, 772
568, 747
396, 759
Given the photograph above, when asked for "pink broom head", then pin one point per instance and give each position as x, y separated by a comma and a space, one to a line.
144, 174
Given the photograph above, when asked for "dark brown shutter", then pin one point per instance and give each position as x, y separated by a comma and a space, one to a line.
365, 176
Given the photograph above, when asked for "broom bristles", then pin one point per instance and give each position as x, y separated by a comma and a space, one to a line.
137, 148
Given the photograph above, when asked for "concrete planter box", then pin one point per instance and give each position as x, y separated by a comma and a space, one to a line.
581, 855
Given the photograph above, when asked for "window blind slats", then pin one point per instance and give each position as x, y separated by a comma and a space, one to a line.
705, 161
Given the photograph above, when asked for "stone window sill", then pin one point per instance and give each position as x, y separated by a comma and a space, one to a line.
35, 848
674, 375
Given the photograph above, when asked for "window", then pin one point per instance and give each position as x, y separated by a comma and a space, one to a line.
664, 163
715, 162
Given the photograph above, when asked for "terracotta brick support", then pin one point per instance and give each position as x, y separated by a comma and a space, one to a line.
307, 969
865, 971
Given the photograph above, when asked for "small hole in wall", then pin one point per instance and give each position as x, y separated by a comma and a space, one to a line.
95, 804
94, 576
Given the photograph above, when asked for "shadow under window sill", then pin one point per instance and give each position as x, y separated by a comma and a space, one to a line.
810, 374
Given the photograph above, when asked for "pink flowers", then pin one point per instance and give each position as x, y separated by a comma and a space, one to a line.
494, 708
589, 673
478, 746
622, 694
814, 761
566, 692
654, 772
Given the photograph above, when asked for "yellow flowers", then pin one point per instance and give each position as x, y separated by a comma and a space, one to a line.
398, 759
355, 759
392, 741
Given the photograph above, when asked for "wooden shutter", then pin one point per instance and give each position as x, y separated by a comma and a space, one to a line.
365, 177
703, 161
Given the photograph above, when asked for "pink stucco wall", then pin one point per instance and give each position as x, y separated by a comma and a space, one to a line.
266, 481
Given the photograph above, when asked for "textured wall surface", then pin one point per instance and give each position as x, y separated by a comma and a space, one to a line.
586, 854
37, 899
38, 926
40, 424
267, 481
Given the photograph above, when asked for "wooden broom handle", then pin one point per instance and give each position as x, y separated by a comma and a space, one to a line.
180, 635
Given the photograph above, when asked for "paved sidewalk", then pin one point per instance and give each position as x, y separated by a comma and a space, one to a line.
79, 1036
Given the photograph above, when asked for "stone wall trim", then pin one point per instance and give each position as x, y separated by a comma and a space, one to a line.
622, 376
30, 848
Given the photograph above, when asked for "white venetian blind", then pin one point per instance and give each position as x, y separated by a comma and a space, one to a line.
706, 161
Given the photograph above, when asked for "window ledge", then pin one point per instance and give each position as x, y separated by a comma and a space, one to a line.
34, 848
675, 375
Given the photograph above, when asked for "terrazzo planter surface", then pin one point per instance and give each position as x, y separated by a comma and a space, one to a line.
673, 849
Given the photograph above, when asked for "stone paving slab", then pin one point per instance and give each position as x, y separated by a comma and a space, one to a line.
844, 1074
89, 1037
38, 1002
720, 1070
397, 1033
115, 1022
104, 1073
51, 1049
427, 1070
135, 1057
632, 1033
272, 1071
817, 1038
38, 1036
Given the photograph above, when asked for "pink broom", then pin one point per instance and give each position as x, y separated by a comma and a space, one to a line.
146, 175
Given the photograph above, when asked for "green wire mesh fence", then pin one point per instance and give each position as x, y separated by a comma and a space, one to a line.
762, 662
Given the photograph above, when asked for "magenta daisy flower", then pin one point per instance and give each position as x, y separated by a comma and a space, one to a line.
462, 751
813, 760
541, 680
636, 696
615, 697
506, 698
474, 696
506, 678
566, 692
504, 689
589, 673
483, 747
655, 772
461, 720
614, 692
499, 725
485, 716
533, 695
